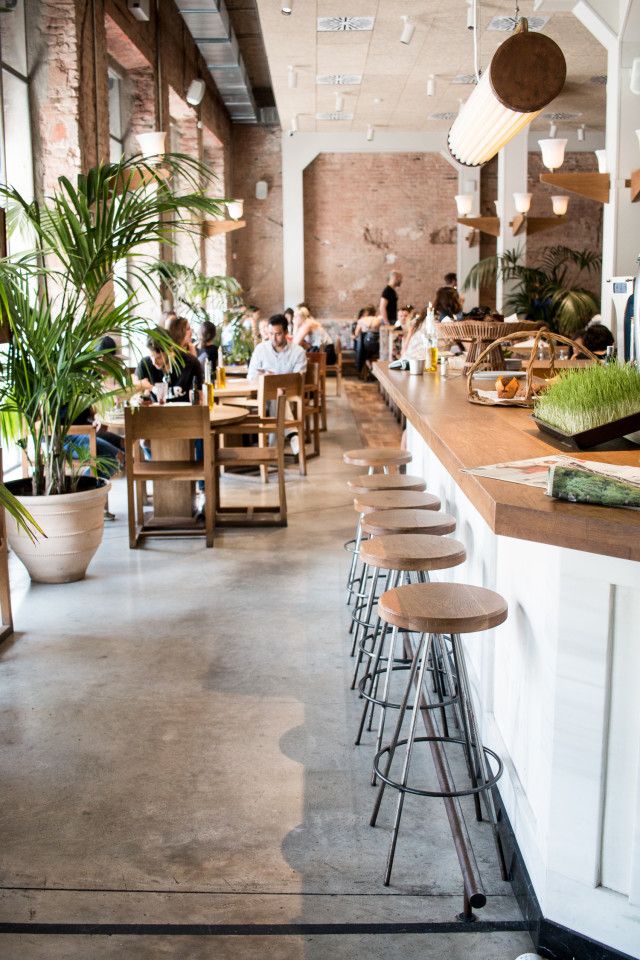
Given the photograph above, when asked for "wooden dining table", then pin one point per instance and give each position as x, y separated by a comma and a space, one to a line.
173, 499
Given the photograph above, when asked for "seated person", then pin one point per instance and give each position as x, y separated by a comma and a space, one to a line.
277, 355
179, 370
311, 335
595, 338
367, 337
447, 304
288, 313
207, 349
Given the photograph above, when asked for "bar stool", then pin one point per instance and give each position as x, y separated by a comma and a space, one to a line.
371, 502
436, 609
367, 482
375, 458
401, 555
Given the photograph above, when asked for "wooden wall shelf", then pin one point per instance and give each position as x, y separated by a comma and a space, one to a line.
529, 225
595, 186
214, 228
490, 225
634, 184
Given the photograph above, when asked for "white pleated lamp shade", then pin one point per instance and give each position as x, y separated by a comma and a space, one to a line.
235, 209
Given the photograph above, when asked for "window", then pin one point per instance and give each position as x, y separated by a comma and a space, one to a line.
116, 125
16, 162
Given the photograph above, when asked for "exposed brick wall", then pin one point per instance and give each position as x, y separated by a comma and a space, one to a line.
257, 249
581, 229
55, 90
366, 214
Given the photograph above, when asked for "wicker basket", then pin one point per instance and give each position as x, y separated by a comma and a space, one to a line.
542, 334
484, 334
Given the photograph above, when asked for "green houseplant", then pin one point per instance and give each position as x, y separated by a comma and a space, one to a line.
58, 302
548, 291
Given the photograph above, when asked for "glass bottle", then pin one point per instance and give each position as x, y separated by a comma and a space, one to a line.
194, 393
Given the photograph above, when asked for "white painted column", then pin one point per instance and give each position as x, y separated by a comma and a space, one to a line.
513, 164
467, 257
292, 222
620, 236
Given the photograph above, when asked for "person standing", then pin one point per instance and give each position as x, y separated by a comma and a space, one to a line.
389, 299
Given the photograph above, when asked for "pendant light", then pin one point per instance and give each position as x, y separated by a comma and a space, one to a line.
552, 152
526, 73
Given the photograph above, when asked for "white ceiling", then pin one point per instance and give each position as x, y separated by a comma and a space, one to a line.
395, 74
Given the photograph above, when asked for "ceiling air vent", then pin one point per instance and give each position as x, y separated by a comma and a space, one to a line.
443, 116
336, 115
507, 24
268, 116
555, 117
340, 79
464, 78
337, 24
600, 80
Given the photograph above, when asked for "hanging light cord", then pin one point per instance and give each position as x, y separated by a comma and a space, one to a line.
517, 13
476, 64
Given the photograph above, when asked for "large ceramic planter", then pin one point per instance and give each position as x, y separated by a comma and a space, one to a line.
73, 523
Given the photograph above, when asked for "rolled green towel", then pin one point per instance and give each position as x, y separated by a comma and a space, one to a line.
587, 486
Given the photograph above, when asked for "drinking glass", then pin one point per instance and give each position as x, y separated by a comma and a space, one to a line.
160, 390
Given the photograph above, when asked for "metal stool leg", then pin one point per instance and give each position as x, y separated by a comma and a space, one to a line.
354, 559
407, 759
367, 620
398, 727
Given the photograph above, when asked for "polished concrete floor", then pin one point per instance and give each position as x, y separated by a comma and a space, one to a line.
177, 759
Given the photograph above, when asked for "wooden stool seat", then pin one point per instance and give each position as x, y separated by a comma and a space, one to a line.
395, 500
408, 521
442, 608
377, 457
385, 481
412, 551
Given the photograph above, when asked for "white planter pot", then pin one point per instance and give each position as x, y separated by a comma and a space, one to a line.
73, 523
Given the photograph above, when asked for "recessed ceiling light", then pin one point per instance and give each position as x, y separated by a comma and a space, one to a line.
335, 115
507, 24
448, 115
337, 24
341, 79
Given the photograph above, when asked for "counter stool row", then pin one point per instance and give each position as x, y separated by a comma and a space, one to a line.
400, 539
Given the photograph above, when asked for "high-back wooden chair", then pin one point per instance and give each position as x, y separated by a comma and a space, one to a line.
262, 456
292, 384
319, 357
167, 423
312, 407
337, 366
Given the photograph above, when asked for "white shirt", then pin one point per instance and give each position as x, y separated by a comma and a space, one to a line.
292, 359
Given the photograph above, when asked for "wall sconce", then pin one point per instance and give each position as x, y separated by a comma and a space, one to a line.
152, 144
235, 209
522, 202
527, 71
490, 225
552, 153
560, 205
595, 186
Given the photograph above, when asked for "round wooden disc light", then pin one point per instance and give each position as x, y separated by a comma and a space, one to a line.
526, 73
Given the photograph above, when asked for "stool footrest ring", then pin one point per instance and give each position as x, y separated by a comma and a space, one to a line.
469, 792
396, 706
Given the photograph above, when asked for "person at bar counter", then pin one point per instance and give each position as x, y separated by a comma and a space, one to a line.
310, 334
178, 370
277, 355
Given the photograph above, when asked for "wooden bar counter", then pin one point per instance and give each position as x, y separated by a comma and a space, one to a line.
557, 685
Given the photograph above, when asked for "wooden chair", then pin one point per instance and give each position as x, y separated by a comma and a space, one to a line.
262, 456
292, 384
312, 407
320, 358
165, 424
337, 366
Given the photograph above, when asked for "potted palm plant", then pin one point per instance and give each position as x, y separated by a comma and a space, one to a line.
549, 290
58, 302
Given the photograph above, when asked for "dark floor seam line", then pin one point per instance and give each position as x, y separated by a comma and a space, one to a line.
260, 929
241, 893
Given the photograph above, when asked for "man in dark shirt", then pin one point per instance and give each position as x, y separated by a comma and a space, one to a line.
181, 370
389, 299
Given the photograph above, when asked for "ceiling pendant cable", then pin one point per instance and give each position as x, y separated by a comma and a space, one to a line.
476, 63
